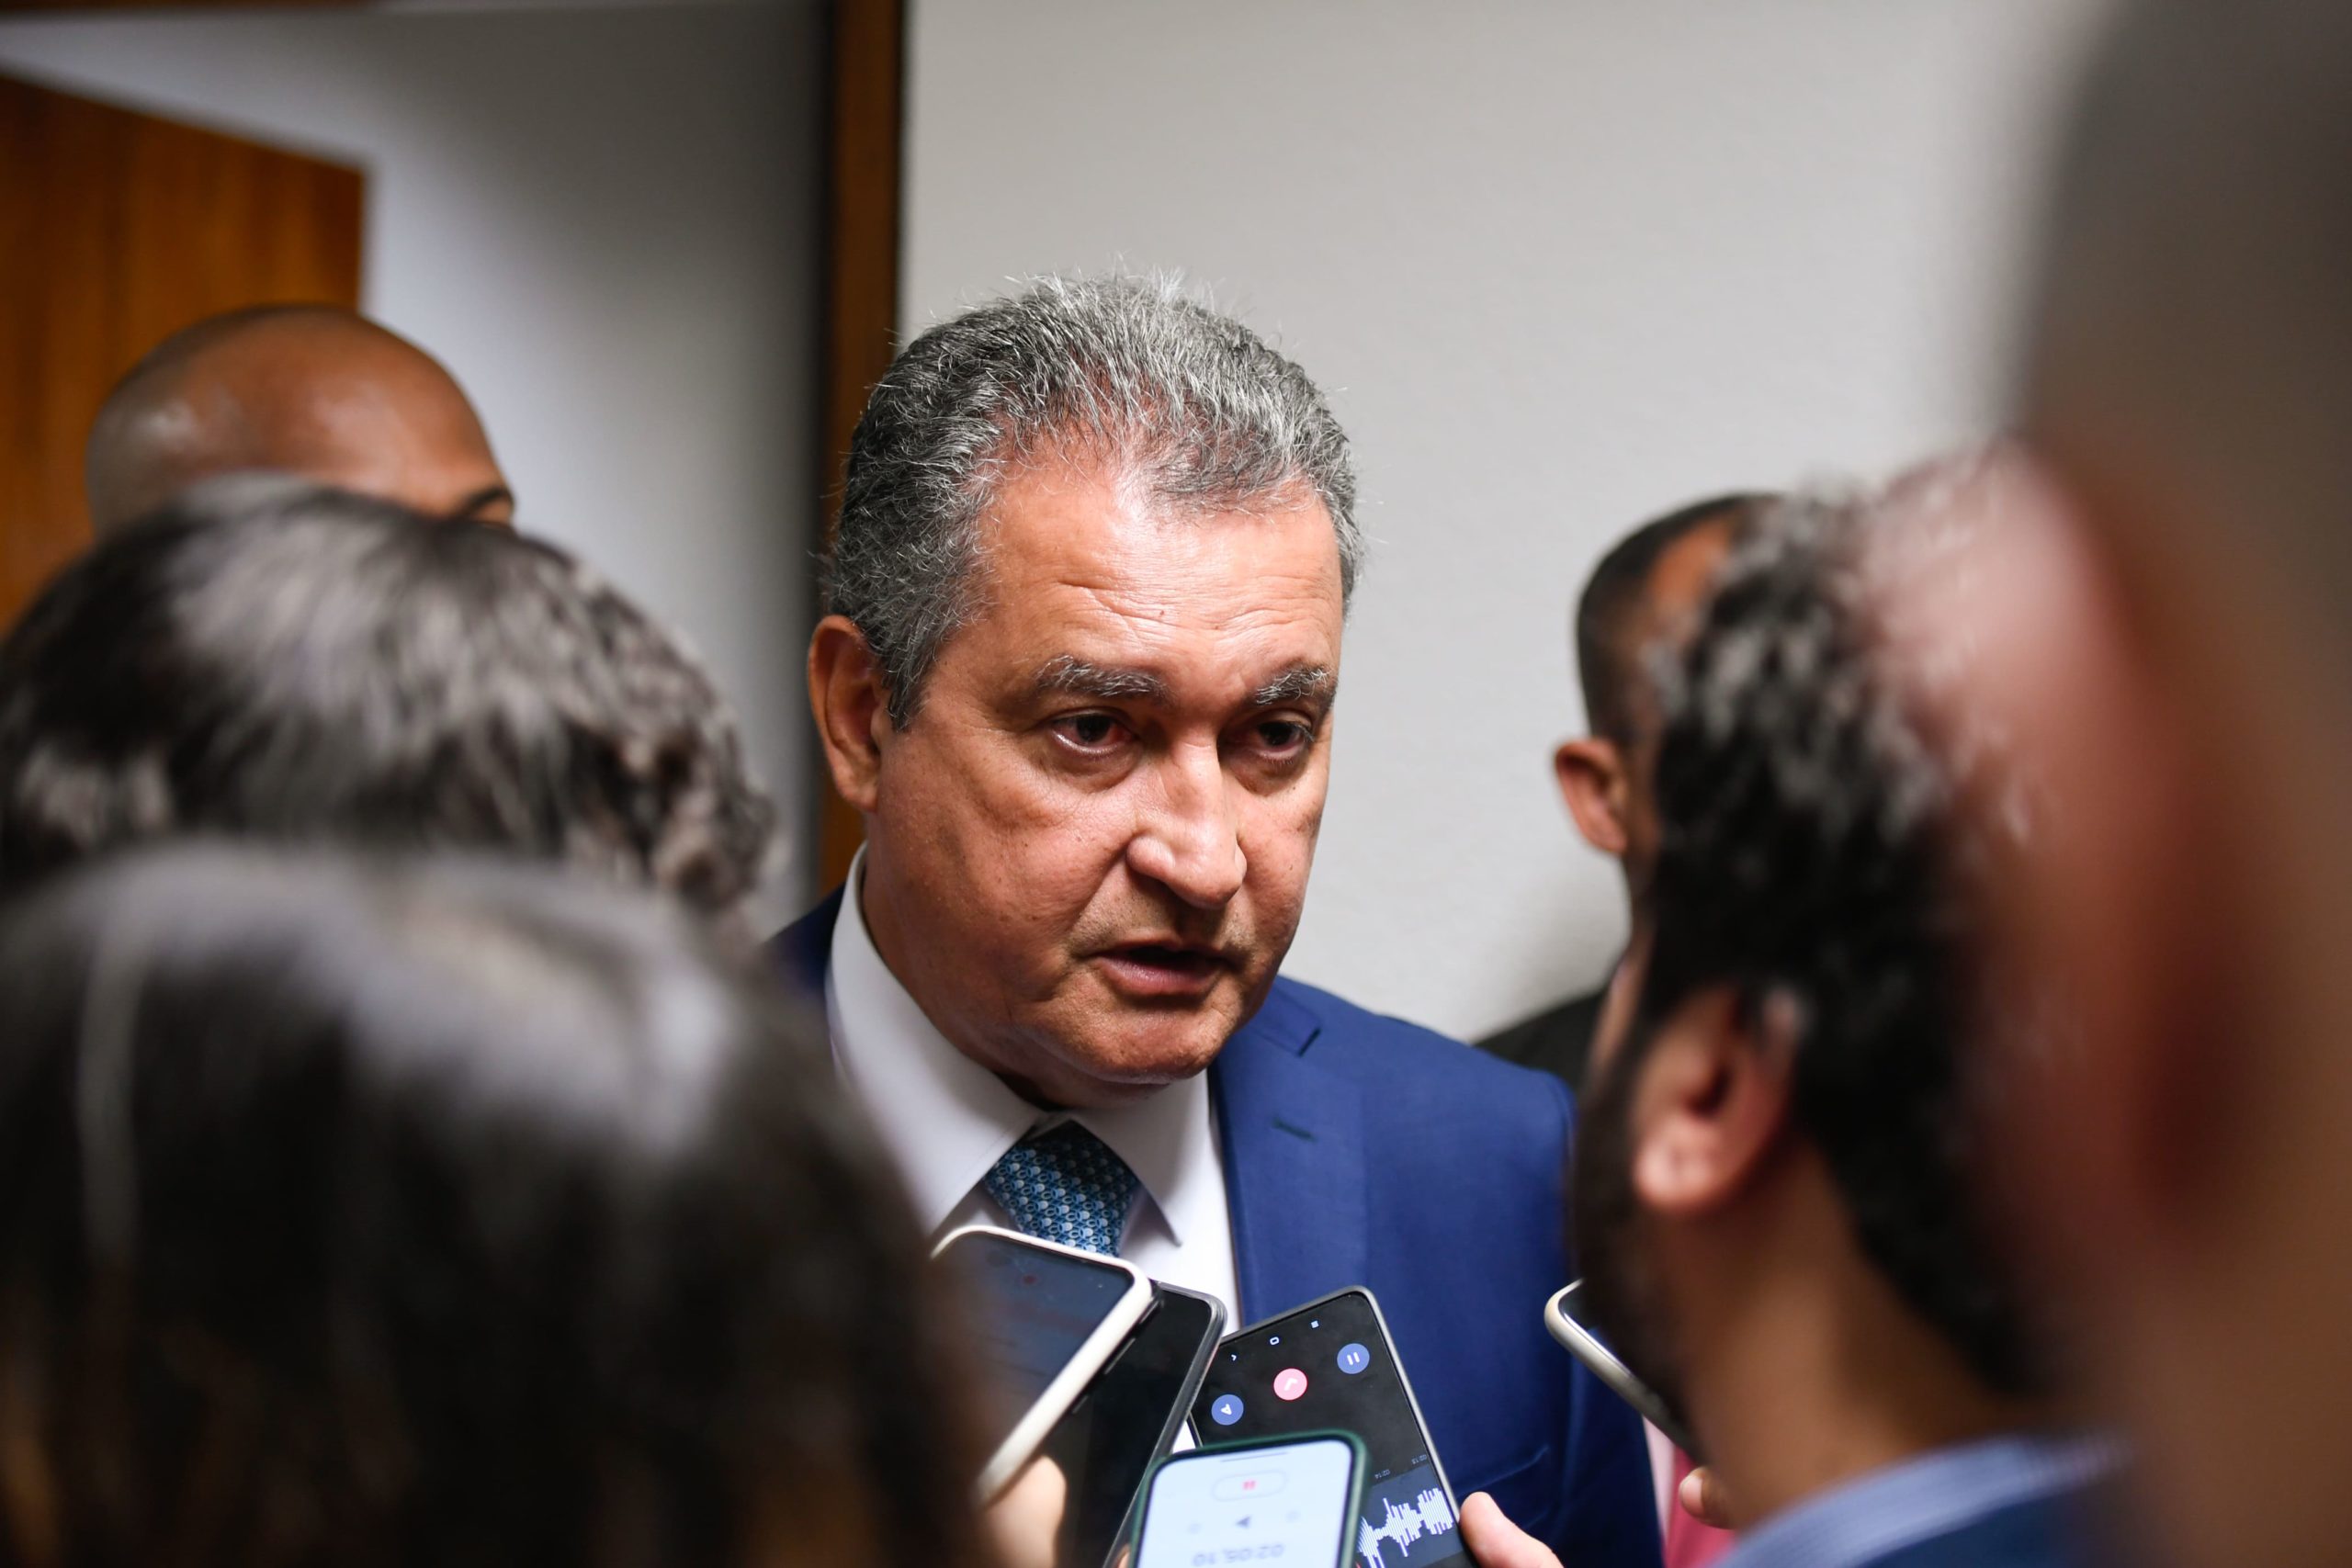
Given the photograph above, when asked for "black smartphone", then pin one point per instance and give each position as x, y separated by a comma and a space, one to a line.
1127, 1419
1329, 1366
1044, 1319
1292, 1500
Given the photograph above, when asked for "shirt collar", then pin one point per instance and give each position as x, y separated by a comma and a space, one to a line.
1902, 1505
947, 1120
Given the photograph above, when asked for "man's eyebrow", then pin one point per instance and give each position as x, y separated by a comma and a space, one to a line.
480, 500
1072, 676
1310, 684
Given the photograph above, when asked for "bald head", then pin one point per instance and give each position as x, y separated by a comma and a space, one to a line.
1645, 591
306, 390
1649, 582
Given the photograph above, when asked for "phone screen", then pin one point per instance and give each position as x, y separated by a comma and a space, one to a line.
1031, 1309
1282, 1502
1330, 1366
1108, 1440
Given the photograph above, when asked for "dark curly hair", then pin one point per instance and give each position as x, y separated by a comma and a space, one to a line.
268, 658
384, 1213
1815, 848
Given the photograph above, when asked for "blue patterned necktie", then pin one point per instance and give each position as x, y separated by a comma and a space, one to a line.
1064, 1184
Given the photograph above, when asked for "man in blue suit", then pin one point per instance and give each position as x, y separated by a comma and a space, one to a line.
1782, 1190
1077, 676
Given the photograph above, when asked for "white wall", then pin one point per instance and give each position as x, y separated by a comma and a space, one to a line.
606, 222
1563, 265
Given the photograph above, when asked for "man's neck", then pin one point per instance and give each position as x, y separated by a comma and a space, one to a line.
1809, 1377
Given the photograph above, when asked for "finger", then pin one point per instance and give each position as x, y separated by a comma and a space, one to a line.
1026, 1519
1496, 1542
1703, 1498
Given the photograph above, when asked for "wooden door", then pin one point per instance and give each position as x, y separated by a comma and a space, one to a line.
865, 174
116, 231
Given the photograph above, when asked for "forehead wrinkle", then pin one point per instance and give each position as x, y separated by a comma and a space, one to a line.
1151, 612
1144, 652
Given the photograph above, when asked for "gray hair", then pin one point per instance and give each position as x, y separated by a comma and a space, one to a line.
1190, 406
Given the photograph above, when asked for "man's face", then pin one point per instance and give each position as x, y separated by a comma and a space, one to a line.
1089, 849
2186, 1152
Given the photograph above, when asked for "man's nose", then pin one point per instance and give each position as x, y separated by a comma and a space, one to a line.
1189, 837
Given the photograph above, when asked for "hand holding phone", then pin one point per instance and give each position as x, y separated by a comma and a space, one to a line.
1025, 1521
1287, 1500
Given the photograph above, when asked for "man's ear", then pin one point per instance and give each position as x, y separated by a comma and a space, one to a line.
851, 704
1713, 1102
1591, 773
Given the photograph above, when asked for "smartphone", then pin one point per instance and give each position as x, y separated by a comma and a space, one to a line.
1046, 1317
1562, 1317
1292, 1500
1329, 1365
1127, 1419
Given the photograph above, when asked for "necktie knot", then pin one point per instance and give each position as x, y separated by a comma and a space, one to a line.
1065, 1184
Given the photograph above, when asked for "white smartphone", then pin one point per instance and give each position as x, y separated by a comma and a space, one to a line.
1047, 1318
1293, 1499
1560, 1316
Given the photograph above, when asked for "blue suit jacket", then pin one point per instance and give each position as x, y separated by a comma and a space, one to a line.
1360, 1150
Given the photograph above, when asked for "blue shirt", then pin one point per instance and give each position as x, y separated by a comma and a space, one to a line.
1887, 1512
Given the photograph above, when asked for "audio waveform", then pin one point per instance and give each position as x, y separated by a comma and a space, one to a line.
1427, 1515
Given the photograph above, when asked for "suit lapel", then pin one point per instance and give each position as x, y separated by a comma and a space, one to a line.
1294, 1162
804, 949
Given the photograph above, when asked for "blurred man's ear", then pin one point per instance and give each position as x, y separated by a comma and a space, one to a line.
1591, 774
847, 697
1713, 1102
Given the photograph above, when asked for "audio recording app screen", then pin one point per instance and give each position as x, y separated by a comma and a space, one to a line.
1329, 1366
1285, 1502
1031, 1310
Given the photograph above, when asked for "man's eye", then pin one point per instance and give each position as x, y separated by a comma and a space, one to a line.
1283, 735
1092, 731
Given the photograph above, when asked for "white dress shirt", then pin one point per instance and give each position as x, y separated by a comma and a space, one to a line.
947, 1120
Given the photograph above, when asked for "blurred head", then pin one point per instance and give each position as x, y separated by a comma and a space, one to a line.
313, 391
1639, 601
1096, 549
439, 1213
2175, 647
267, 659
1781, 1099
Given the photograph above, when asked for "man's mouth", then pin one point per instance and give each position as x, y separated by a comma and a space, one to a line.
1164, 969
